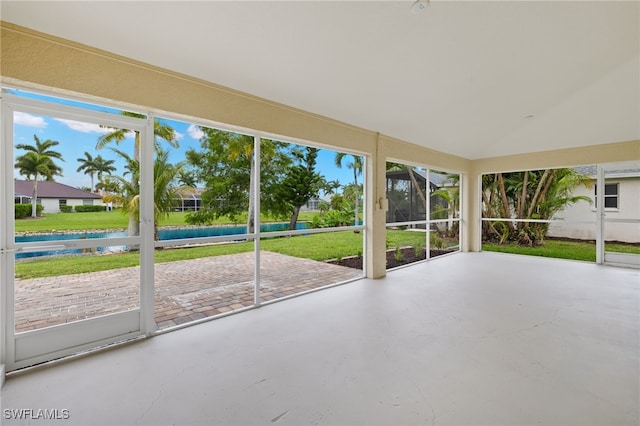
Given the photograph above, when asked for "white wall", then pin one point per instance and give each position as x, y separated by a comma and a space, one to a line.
52, 205
629, 208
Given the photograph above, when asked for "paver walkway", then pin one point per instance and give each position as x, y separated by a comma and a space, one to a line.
185, 290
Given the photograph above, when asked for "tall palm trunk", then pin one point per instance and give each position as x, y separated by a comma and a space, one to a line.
133, 229
355, 180
417, 186
34, 199
251, 213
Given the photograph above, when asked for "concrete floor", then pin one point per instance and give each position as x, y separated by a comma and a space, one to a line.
473, 338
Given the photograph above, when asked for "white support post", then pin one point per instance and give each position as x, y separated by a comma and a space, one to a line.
600, 184
6, 125
428, 208
147, 248
256, 219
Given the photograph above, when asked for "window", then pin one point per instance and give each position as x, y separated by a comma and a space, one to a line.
87, 202
610, 196
62, 203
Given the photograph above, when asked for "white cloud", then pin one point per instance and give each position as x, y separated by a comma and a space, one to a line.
84, 127
178, 136
195, 132
25, 119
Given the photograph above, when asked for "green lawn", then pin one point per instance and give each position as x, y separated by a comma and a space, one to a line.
113, 220
314, 246
575, 250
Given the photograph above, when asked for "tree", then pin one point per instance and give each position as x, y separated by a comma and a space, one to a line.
356, 165
38, 162
331, 187
225, 164
165, 188
534, 194
109, 185
300, 184
103, 167
87, 164
98, 165
117, 135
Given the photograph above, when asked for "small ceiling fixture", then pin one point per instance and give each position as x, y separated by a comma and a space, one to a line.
419, 6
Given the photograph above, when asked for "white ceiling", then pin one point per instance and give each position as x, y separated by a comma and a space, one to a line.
476, 79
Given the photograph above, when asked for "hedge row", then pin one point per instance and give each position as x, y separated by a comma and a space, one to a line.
24, 210
83, 209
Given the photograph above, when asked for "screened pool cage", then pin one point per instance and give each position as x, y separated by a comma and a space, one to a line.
408, 198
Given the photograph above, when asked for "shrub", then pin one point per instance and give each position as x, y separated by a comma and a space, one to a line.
397, 254
437, 242
24, 210
84, 209
332, 219
66, 209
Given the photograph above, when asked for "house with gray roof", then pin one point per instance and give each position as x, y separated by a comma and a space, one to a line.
53, 195
621, 202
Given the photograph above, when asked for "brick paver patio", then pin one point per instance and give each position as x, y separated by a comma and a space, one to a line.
185, 290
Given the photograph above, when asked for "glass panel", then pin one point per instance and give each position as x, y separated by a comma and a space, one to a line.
212, 182
621, 226
55, 287
622, 237
305, 187
610, 189
199, 282
562, 195
406, 192
445, 209
405, 245
291, 265
610, 202
93, 194
201, 184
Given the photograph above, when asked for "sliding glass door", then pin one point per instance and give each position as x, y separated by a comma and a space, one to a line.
618, 207
62, 290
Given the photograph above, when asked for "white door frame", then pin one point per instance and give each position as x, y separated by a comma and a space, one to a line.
602, 256
31, 347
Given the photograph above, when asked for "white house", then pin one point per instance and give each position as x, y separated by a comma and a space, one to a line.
53, 195
621, 201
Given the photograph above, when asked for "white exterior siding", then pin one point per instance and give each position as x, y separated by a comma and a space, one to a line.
628, 208
52, 205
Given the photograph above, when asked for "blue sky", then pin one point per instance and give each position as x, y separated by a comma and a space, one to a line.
77, 137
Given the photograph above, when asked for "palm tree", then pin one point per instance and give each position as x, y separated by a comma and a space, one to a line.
532, 194
165, 188
88, 165
116, 135
331, 187
356, 165
103, 167
38, 162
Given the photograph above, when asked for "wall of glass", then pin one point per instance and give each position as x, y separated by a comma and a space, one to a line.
423, 219
237, 233
530, 212
238, 221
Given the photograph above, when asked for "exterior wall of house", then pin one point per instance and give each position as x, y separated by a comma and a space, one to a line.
52, 205
629, 208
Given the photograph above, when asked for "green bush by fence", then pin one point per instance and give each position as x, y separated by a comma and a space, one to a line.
84, 209
24, 210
